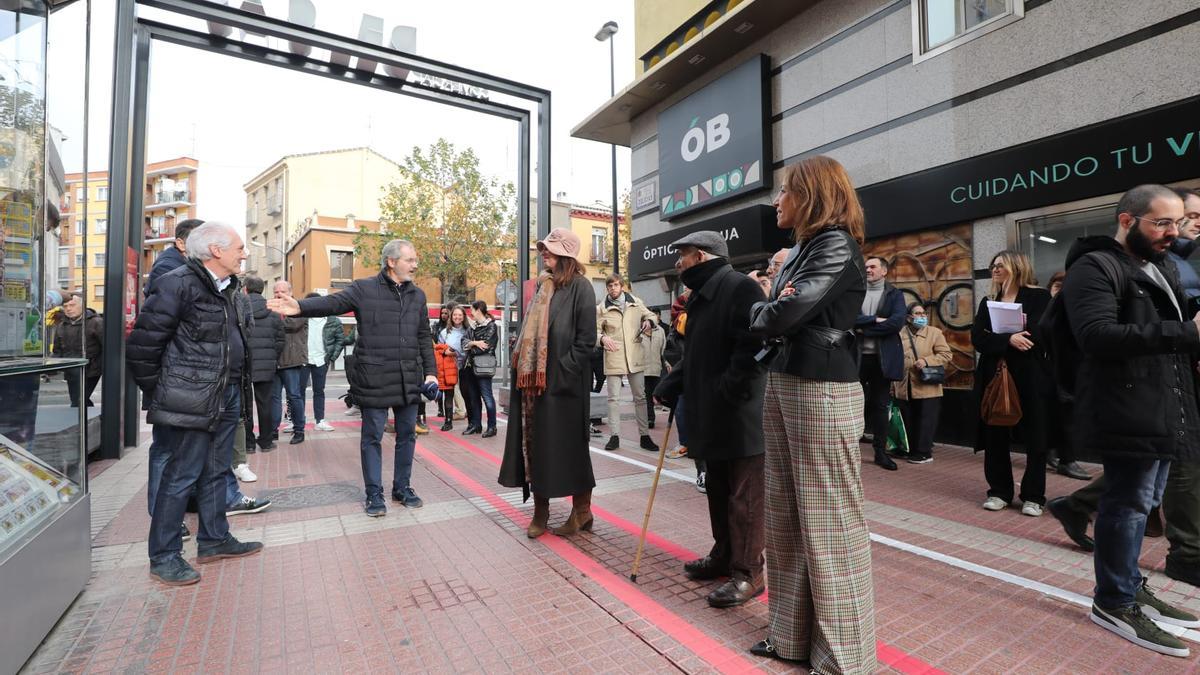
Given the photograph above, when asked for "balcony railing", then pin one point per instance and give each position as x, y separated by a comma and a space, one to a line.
172, 196
252, 216
275, 207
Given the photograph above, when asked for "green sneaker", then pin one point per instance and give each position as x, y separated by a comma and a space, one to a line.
1160, 611
1131, 624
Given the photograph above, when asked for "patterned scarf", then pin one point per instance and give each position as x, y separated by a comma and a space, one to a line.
532, 349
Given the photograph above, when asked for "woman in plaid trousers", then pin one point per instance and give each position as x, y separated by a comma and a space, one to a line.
822, 606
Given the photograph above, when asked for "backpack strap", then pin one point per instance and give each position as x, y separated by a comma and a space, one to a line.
1114, 270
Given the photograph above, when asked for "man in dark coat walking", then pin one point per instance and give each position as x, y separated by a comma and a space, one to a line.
81, 327
882, 356
724, 387
187, 353
266, 344
393, 363
1136, 392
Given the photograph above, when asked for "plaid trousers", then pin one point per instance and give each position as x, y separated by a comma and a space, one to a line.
822, 604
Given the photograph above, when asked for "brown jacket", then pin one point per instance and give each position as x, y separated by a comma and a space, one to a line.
931, 345
295, 343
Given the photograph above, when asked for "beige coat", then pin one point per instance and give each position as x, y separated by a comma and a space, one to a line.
932, 346
652, 351
624, 330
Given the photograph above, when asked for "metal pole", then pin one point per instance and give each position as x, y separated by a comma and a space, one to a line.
612, 91
523, 214
137, 179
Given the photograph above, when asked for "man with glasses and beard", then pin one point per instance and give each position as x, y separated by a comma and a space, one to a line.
1136, 391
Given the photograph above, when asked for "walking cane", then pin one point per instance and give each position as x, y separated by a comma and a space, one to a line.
662, 454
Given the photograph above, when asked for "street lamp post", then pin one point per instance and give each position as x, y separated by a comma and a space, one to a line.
282, 255
606, 32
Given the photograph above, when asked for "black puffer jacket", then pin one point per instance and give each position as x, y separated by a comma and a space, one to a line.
71, 335
817, 321
1135, 391
394, 353
266, 339
178, 352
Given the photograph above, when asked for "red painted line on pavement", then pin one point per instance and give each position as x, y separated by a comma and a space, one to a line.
885, 653
716, 654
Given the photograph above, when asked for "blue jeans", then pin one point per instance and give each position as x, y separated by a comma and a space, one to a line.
294, 381
317, 373
160, 452
198, 460
1134, 487
373, 420
475, 388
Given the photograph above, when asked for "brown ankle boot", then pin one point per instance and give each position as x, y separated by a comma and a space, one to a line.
541, 514
581, 515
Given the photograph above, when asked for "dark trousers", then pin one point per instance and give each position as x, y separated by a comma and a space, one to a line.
160, 451
293, 381
1133, 487
1180, 509
474, 390
262, 408
371, 450
317, 375
877, 399
446, 400
89, 386
997, 467
920, 423
651, 385
1062, 436
198, 460
735, 510
598, 368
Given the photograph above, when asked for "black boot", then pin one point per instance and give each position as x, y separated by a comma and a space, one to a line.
884, 461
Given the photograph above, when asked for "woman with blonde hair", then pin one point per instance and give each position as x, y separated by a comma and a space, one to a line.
822, 606
1024, 355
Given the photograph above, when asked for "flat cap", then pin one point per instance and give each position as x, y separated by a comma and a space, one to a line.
705, 240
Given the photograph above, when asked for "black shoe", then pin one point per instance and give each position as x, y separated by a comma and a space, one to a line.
704, 569
230, 548
266, 445
297, 439
471, 430
1188, 574
765, 649
447, 425
613, 443
375, 506
1073, 470
735, 592
251, 448
175, 572
593, 430
1073, 522
648, 444
408, 497
248, 505
596, 389
1052, 461
884, 461
491, 431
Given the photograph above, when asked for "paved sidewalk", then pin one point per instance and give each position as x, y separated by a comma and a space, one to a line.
457, 587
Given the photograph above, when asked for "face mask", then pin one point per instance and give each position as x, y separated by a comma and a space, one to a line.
920, 321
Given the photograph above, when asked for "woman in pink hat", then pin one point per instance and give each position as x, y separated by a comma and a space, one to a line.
546, 450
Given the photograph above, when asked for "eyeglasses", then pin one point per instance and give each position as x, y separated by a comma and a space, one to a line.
1167, 222
997, 266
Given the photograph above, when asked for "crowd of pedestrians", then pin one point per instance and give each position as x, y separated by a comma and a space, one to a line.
773, 380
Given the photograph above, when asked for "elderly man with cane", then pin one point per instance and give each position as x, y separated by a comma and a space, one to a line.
724, 385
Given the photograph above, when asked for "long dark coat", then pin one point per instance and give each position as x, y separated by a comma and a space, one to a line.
561, 460
722, 382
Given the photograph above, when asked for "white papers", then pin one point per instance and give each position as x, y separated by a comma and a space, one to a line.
1007, 317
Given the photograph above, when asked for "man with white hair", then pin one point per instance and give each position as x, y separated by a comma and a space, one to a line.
187, 353
393, 364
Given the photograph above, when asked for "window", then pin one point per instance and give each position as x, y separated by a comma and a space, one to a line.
102, 194
98, 259
78, 260
939, 25
80, 194
64, 257
98, 290
341, 265
78, 226
158, 225
101, 225
599, 244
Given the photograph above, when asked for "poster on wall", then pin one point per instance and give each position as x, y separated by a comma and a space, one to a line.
935, 269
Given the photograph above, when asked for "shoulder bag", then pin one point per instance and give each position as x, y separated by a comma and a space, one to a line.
1001, 406
928, 374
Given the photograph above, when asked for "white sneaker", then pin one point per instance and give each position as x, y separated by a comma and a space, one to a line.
995, 504
1031, 509
244, 474
322, 425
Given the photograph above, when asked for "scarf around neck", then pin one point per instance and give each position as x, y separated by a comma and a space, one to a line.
532, 351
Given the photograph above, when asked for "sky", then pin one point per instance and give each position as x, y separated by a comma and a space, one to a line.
237, 117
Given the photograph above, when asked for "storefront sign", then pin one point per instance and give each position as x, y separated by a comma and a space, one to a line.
750, 233
1159, 145
644, 196
716, 144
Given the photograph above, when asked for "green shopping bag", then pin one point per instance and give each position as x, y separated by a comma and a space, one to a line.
897, 437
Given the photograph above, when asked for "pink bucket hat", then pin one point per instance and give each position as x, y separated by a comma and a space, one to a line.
562, 243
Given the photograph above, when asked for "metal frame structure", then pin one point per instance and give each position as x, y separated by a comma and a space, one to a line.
131, 69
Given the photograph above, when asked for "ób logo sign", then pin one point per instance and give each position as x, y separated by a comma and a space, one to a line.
696, 142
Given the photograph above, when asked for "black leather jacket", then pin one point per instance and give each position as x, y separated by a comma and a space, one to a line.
812, 329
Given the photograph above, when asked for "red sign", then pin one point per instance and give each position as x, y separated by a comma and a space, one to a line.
131, 289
